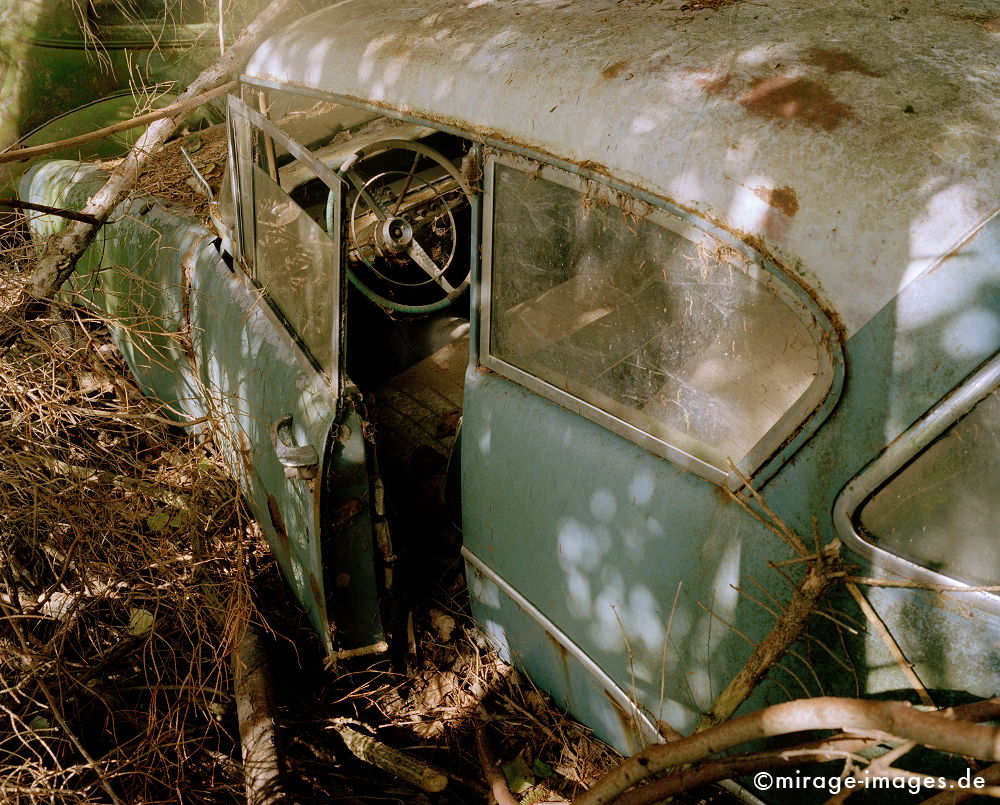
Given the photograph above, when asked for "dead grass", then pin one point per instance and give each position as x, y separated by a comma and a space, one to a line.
114, 662
169, 178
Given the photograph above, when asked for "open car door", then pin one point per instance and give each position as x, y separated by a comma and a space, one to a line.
251, 349
268, 343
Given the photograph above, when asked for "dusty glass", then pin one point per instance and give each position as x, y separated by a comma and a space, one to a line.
941, 510
679, 339
296, 264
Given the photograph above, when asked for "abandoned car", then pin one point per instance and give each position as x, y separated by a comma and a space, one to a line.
704, 255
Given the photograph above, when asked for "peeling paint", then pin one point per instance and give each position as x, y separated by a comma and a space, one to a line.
781, 198
277, 522
614, 70
717, 86
345, 511
838, 61
798, 99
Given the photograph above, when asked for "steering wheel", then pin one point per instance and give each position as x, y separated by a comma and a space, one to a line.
402, 236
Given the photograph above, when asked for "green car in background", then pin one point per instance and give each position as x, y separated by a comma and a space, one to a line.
69, 68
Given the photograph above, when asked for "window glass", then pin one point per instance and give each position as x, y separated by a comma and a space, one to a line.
677, 338
131, 12
283, 237
296, 264
941, 510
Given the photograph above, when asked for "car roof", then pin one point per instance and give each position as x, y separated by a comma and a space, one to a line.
859, 143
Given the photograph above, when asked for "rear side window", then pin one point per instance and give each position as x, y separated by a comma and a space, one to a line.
651, 327
112, 13
933, 501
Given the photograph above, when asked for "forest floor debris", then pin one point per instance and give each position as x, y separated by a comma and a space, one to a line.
129, 570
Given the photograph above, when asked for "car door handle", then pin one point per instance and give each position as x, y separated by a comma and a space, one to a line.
299, 461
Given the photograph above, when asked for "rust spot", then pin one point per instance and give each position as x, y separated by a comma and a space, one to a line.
838, 61
717, 86
667, 731
614, 70
277, 522
345, 511
596, 167
725, 497
447, 425
316, 591
560, 650
625, 720
795, 99
711, 5
989, 22
781, 198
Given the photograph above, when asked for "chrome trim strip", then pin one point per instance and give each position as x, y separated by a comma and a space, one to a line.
906, 447
650, 734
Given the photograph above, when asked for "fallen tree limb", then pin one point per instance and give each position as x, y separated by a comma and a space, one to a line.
17, 204
262, 766
63, 250
391, 760
936, 730
185, 107
487, 759
698, 775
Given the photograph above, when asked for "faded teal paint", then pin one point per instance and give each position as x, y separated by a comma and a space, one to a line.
590, 523
231, 359
598, 533
349, 552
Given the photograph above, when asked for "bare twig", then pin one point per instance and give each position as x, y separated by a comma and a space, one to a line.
391, 760
179, 107
882, 631
934, 730
17, 204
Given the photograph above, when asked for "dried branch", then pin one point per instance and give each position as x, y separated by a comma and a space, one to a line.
837, 748
391, 760
880, 628
487, 759
784, 634
72, 215
64, 249
935, 730
15, 154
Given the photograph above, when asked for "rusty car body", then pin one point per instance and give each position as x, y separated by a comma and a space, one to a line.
707, 250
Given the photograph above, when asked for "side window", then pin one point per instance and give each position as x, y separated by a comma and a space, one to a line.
115, 13
289, 252
931, 499
644, 323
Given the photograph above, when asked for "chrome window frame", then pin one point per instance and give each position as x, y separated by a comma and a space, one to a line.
245, 220
913, 441
767, 455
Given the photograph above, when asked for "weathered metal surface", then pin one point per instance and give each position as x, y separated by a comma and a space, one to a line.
200, 339
598, 534
798, 125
